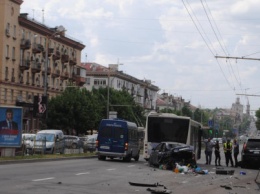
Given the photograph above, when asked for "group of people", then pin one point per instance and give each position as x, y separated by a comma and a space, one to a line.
228, 148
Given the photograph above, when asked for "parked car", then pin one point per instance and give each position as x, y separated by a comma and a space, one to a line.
49, 141
91, 142
250, 154
73, 142
170, 153
28, 140
85, 142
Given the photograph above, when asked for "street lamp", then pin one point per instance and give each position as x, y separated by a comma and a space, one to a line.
60, 30
108, 85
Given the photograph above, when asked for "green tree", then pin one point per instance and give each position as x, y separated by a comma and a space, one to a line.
186, 111
80, 110
75, 109
257, 123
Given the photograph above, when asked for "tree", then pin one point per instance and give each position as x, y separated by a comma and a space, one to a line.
257, 123
80, 110
74, 110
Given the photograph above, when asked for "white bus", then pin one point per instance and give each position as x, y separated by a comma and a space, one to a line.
163, 127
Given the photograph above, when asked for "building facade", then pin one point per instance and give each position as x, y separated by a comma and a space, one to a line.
34, 60
143, 91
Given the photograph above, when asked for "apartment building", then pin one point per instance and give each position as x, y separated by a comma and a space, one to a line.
34, 60
143, 91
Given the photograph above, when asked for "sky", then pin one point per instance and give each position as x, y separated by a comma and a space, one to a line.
173, 43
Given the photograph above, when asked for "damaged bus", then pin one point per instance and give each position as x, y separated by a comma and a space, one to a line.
168, 127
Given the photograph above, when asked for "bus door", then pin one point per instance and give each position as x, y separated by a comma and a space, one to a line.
112, 139
119, 140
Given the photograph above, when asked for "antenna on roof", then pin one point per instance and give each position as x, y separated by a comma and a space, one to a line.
43, 16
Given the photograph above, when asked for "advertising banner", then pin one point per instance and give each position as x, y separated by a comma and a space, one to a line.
11, 123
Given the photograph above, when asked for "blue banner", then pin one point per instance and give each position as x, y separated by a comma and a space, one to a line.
11, 126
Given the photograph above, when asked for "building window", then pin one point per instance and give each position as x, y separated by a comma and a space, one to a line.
14, 33
6, 73
13, 54
88, 81
27, 78
5, 94
12, 95
7, 52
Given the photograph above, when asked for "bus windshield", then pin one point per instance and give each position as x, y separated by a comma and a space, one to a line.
112, 132
161, 129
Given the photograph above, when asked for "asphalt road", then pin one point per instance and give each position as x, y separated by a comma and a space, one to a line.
94, 176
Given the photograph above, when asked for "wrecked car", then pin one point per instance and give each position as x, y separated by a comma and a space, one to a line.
170, 153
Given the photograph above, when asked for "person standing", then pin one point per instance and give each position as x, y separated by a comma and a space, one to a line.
236, 151
217, 154
227, 146
208, 150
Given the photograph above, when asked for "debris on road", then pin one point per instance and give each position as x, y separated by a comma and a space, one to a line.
145, 184
159, 191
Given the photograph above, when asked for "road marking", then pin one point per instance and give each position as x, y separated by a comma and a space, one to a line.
111, 169
131, 166
43, 179
82, 173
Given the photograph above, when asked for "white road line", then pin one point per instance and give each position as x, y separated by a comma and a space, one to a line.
131, 166
82, 173
43, 179
111, 169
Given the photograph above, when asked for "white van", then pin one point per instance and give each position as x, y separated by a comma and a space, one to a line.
49, 141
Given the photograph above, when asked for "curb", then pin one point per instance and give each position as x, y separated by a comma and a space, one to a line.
44, 160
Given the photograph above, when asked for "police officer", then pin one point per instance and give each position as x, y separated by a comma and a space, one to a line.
228, 152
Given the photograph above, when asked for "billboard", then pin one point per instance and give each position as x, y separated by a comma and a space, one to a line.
11, 122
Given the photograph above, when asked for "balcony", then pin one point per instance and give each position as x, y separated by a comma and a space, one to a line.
25, 65
64, 58
56, 56
36, 67
80, 81
50, 52
55, 73
25, 44
37, 48
48, 71
7, 32
64, 75
73, 61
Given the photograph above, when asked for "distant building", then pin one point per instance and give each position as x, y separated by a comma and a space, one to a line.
166, 101
143, 91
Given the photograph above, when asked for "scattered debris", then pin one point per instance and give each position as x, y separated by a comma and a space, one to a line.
145, 184
158, 191
226, 187
225, 172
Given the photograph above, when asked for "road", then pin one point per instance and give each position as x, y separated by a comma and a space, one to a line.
96, 177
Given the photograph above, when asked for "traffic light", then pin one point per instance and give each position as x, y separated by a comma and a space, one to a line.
210, 131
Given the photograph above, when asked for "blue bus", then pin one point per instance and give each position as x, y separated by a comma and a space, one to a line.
117, 138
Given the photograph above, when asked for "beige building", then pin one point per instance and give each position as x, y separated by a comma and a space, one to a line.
143, 91
27, 47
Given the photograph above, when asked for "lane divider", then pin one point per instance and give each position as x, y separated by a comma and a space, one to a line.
43, 179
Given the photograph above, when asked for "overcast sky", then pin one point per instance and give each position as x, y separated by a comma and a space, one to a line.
173, 43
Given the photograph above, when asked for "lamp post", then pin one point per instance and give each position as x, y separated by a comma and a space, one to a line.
108, 86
